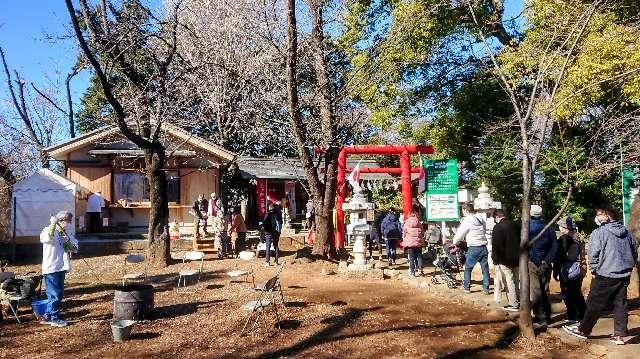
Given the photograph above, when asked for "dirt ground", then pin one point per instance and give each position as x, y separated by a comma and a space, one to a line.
325, 316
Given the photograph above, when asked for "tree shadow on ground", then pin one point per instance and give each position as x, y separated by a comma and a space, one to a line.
181, 309
323, 336
144, 335
295, 304
507, 338
337, 323
83, 288
75, 303
288, 324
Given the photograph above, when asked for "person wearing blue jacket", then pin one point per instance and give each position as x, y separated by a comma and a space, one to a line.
612, 254
392, 234
541, 256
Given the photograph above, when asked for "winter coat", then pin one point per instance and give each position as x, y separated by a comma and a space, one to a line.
272, 222
55, 257
237, 224
390, 226
545, 247
200, 208
412, 233
505, 243
569, 251
613, 252
471, 230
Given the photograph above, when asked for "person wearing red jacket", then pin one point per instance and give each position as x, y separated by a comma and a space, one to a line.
413, 241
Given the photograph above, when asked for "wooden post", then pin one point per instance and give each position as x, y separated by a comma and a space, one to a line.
13, 236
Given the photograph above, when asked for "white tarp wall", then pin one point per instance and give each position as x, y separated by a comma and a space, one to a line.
40, 196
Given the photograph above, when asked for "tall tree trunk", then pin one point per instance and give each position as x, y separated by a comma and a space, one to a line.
525, 322
324, 239
158, 248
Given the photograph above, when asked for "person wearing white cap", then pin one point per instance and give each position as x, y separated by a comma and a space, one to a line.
541, 256
57, 242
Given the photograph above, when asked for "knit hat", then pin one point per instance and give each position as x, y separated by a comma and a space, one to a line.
566, 222
536, 210
64, 216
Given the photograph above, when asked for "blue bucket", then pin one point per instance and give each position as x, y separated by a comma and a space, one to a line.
39, 307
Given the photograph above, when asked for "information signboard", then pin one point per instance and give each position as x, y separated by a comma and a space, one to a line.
441, 190
630, 187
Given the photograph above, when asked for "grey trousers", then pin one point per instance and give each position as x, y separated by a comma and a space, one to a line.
538, 284
510, 278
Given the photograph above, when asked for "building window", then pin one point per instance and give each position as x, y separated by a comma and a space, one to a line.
130, 186
134, 187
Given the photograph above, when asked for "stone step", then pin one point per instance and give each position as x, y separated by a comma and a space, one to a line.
205, 246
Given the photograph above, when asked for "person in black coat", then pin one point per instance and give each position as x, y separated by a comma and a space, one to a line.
570, 255
505, 253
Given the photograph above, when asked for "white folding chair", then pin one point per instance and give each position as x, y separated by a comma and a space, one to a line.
237, 272
263, 285
263, 300
136, 260
188, 270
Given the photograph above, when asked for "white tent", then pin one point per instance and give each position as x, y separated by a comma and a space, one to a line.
40, 196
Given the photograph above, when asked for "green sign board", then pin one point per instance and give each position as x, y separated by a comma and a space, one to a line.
630, 187
441, 190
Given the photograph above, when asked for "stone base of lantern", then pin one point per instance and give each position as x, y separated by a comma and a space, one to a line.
359, 267
287, 230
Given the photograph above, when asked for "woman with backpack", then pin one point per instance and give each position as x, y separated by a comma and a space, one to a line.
567, 269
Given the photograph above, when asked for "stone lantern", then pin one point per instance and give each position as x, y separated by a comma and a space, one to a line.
358, 228
484, 201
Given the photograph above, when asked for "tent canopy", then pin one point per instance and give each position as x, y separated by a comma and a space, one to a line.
40, 196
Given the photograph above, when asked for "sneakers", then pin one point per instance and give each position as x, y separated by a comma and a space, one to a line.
436, 262
573, 330
265, 264
617, 340
571, 322
486, 292
511, 308
467, 290
58, 323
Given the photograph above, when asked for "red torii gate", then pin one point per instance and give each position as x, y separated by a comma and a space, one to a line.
405, 170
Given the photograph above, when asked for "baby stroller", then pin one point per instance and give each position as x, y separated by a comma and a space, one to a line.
448, 263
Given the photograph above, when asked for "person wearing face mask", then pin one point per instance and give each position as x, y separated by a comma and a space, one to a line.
612, 255
567, 269
57, 243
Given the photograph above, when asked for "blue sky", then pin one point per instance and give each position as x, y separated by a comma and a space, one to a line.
24, 28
